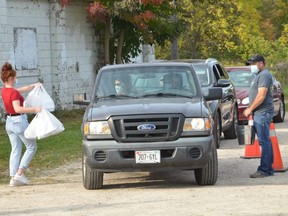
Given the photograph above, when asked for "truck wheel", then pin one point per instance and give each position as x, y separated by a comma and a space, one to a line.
217, 130
231, 133
281, 114
208, 175
91, 179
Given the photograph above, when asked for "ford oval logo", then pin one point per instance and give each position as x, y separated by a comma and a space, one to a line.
146, 127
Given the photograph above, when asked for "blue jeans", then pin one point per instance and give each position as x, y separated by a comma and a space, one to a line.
15, 127
262, 125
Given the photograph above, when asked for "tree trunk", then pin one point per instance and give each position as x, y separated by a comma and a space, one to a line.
106, 42
174, 41
120, 46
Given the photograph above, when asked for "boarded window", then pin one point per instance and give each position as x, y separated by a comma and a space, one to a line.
25, 48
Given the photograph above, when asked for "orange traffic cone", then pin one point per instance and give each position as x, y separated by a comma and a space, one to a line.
277, 163
252, 150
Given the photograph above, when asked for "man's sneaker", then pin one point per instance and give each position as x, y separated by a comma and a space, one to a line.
258, 174
21, 179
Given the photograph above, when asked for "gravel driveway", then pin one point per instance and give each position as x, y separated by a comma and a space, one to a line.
60, 191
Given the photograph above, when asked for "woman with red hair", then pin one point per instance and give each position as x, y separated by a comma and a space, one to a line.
16, 123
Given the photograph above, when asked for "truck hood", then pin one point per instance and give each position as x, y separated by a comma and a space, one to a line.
102, 110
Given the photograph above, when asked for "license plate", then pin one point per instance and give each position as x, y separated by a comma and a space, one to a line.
143, 157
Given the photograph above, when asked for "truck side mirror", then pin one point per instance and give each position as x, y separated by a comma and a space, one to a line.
214, 93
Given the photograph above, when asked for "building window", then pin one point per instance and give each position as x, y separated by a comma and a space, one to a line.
25, 48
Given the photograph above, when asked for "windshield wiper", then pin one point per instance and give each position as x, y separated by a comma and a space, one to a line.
115, 96
161, 94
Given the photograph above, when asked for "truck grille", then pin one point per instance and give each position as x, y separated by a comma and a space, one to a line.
160, 127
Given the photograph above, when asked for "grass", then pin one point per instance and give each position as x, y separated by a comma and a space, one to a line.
52, 151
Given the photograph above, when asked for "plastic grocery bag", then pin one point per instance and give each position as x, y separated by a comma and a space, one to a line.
39, 97
43, 125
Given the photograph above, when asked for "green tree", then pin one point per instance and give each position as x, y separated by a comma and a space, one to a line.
279, 57
231, 31
208, 33
274, 17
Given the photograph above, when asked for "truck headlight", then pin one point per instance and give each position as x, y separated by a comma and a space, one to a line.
196, 124
95, 128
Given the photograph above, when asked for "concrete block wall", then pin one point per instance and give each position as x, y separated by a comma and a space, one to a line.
3, 46
76, 58
60, 48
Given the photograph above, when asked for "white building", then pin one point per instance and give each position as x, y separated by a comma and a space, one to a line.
47, 43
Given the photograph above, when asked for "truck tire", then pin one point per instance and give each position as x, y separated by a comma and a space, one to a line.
91, 179
217, 130
231, 133
208, 174
281, 114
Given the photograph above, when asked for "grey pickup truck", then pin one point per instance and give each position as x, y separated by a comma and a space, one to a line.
148, 117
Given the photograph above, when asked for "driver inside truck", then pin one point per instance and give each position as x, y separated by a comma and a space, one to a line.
119, 87
173, 81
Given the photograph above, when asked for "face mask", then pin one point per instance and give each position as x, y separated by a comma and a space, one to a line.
119, 89
16, 81
254, 69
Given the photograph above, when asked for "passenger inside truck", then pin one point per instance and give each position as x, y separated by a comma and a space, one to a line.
173, 81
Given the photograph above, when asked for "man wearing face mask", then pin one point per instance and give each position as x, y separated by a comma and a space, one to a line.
261, 108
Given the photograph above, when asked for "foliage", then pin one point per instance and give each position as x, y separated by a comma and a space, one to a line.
129, 23
230, 31
98, 13
279, 57
274, 15
63, 3
208, 33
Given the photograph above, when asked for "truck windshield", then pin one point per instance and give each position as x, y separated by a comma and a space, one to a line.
146, 81
202, 74
241, 78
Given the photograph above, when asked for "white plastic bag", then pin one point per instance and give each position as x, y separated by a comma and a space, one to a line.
43, 125
39, 97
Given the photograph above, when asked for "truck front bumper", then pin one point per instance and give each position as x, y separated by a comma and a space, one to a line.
183, 153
